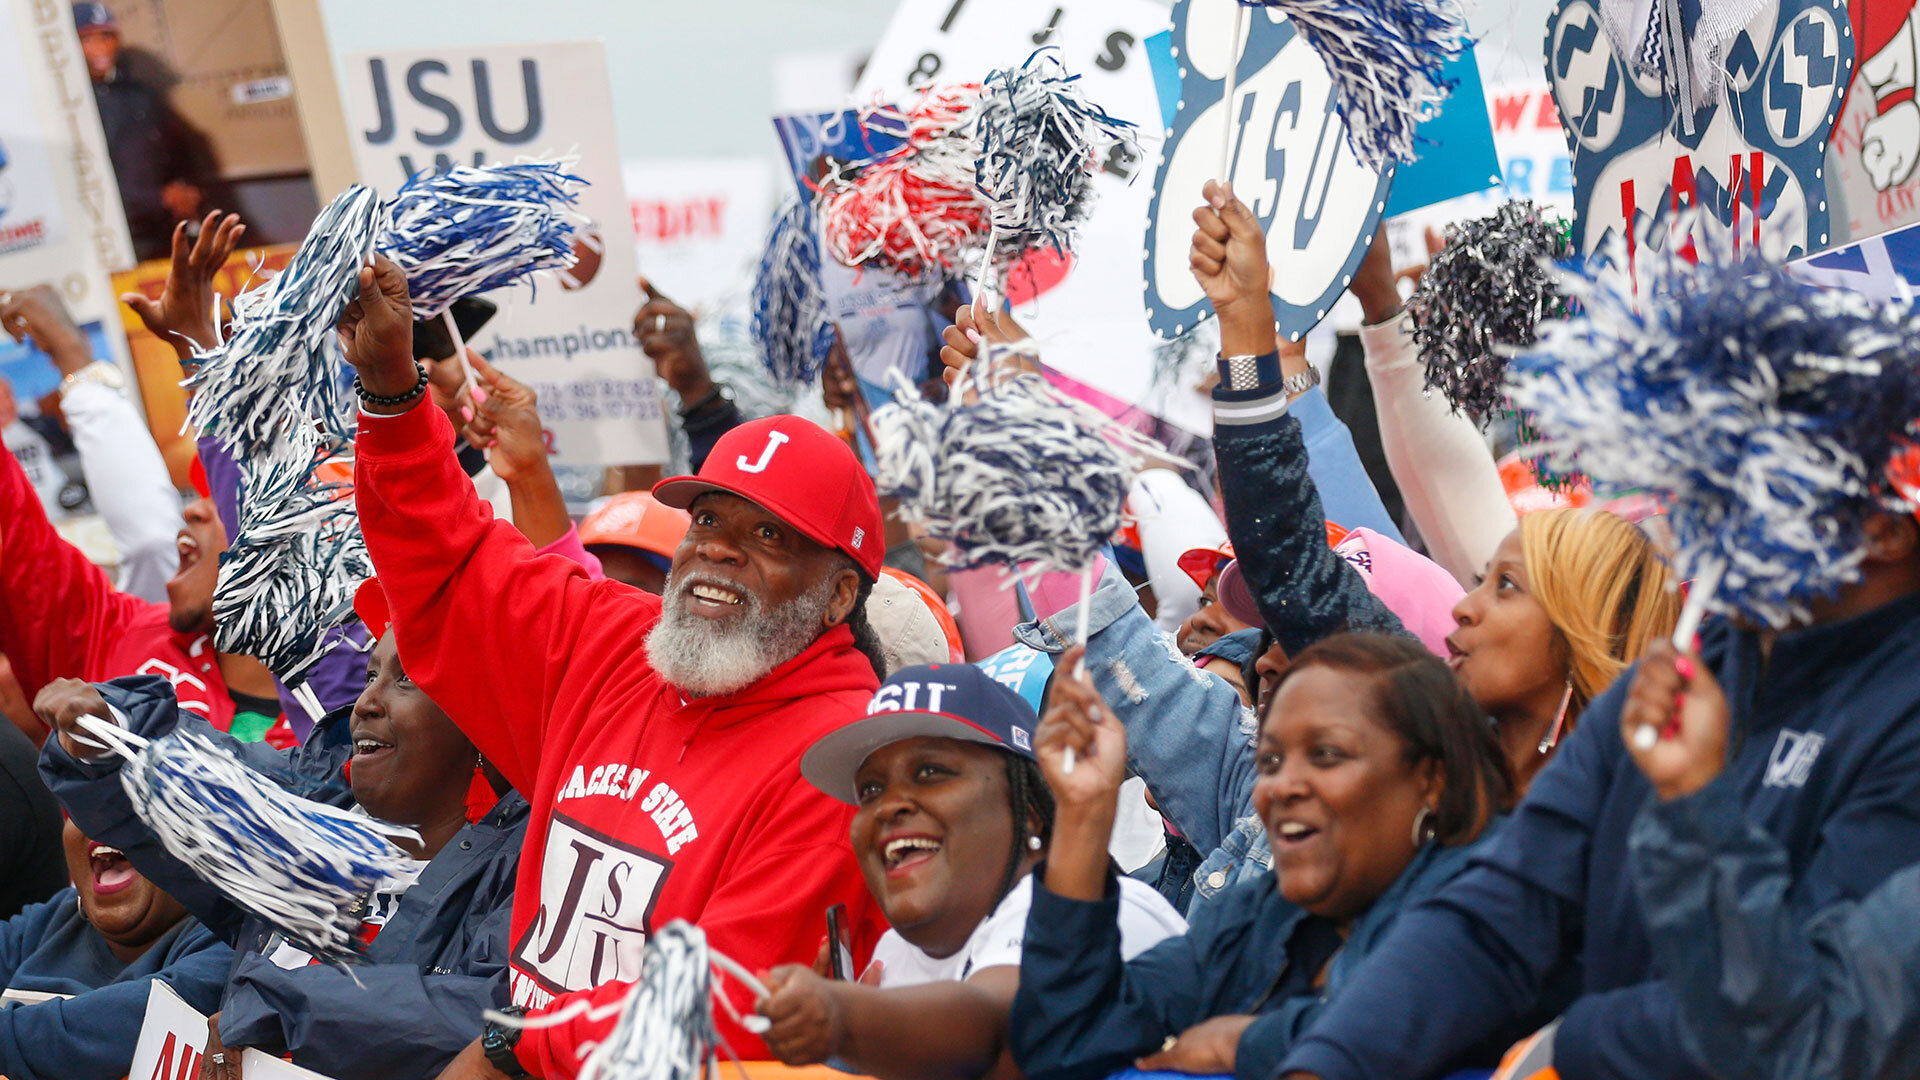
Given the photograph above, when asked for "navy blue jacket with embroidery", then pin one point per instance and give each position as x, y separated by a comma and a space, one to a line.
436, 964
1824, 753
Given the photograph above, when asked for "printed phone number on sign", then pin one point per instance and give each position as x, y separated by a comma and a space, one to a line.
597, 399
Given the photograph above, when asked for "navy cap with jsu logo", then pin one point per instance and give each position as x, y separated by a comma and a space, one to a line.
946, 701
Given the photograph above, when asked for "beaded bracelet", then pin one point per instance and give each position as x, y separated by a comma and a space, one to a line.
419, 388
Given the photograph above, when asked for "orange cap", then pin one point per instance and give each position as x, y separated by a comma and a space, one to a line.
1526, 494
948, 628
636, 519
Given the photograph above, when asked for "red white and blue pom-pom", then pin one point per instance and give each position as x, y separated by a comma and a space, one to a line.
299, 865
280, 369
1388, 62
917, 209
1483, 295
1761, 412
790, 320
473, 229
289, 576
1018, 475
1038, 139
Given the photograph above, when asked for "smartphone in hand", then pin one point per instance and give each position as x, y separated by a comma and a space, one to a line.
839, 956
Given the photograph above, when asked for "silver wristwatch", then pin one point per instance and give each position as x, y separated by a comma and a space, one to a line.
1295, 385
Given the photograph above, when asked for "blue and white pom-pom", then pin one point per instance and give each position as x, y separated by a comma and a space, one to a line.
1019, 475
473, 229
290, 575
1387, 59
261, 391
1760, 411
665, 1029
790, 321
1038, 140
300, 865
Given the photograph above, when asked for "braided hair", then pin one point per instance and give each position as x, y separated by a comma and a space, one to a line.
1030, 799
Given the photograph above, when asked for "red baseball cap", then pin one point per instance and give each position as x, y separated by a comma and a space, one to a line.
802, 473
1202, 563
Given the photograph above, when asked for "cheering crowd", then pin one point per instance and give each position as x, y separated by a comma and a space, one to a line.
1325, 791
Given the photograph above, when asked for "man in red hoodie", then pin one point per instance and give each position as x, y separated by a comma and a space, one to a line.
658, 737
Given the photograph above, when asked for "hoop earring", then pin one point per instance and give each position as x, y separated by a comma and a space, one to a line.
1552, 738
1424, 830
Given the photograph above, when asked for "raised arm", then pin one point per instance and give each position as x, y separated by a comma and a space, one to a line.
1189, 736
59, 615
1440, 460
1081, 1012
484, 625
1274, 516
667, 334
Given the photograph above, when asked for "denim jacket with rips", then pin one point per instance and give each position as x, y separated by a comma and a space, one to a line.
1188, 735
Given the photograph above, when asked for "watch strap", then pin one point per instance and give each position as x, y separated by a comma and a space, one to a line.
497, 1041
1296, 385
1249, 372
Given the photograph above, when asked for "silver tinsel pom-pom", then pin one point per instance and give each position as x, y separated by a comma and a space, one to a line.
1012, 473
1038, 140
1484, 294
301, 866
1761, 413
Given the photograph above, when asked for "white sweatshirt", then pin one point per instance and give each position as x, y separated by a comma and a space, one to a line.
1445, 470
129, 484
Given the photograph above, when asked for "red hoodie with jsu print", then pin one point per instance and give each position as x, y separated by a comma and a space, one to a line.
647, 808
61, 618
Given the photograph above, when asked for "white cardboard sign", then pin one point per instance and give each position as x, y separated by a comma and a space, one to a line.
414, 109
171, 1038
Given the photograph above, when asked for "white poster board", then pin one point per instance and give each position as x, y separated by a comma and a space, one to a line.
171, 1038
411, 109
699, 223
1090, 319
60, 217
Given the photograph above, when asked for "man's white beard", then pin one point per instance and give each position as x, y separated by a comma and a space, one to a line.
705, 658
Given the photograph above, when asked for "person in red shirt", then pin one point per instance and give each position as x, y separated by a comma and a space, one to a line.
60, 616
658, 738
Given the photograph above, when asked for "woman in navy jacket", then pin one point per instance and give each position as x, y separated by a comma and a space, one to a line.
1377, 775
438, 957
76, 968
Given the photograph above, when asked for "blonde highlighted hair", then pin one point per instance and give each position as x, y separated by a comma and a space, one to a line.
1605, 589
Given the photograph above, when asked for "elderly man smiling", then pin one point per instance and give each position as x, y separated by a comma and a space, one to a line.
657, 737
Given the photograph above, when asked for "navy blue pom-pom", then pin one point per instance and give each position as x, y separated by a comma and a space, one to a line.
1388, 62
301, 866
475, 229
1038, 139
1762, 413
790, 321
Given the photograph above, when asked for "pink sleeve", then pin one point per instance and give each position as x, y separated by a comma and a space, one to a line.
989, 609
569, 546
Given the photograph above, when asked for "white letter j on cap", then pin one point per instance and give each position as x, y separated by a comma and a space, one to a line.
774, 439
